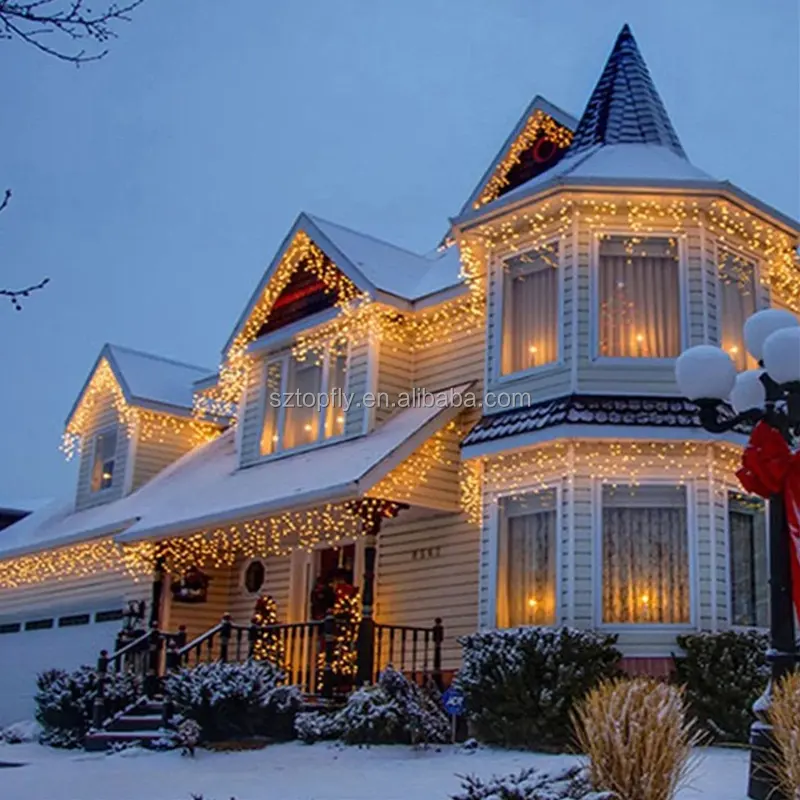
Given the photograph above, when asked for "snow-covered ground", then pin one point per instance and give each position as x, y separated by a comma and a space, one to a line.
299, 772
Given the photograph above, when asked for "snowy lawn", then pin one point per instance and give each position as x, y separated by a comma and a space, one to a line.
298, 772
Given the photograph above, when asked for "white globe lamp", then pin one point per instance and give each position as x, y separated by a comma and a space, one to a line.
705, 372
761, 325
782, 355
748, 392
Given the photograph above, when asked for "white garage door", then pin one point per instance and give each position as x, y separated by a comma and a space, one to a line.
44, 640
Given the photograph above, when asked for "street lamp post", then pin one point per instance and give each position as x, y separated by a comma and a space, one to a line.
707, 376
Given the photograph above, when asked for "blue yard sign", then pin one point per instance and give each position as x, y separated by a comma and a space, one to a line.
453, 702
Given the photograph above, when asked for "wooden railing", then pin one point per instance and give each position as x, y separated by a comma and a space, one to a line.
415, 651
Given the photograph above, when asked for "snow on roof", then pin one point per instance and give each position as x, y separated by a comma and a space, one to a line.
389, 267
155, 379
205, 488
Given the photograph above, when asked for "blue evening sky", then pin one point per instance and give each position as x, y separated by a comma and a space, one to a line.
155, 186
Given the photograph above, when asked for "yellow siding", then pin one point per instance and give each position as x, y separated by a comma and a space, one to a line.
395, 375
276, 583
152, 455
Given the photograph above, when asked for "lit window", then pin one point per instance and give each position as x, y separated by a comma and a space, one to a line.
527, 562
639, 307
747, 551
737, 301
105, 448
645, 555
304, 402
530, 311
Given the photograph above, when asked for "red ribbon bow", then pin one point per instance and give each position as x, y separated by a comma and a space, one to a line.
769, 467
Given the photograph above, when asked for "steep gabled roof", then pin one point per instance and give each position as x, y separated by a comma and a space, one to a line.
385, 271
625, 107
148, 380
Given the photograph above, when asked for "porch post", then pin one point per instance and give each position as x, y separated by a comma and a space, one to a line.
365, 670
157, 593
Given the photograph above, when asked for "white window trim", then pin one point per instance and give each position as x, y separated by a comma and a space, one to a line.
728, 586
500, 273
594, 300
114, 475
763, 293
285, 358
498, 527
597, 556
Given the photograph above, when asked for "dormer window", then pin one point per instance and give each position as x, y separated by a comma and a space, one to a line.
304, 401
638, 298
530, 311
105, 448
737, 301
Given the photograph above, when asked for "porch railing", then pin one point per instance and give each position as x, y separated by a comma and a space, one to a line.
415, 651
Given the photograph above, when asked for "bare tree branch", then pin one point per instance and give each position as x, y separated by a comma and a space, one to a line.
16, 295
71, 21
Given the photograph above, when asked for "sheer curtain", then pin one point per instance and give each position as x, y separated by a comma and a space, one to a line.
527, 569
337, 378
639, 312
737, 301
272, 406
645, 555
747, 540
301, 425
530, 312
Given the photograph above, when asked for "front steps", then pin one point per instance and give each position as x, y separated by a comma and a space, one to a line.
140, 724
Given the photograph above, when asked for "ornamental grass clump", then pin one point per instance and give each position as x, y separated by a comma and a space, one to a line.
784, 714
638, 738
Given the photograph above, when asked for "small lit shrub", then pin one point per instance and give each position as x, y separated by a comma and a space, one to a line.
637, 737
235, 701
724, 674
784, 714
65, 702
521, 684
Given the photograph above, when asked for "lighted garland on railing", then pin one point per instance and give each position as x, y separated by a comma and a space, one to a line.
537, 125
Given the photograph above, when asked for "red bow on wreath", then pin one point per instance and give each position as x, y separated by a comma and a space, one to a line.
769, 467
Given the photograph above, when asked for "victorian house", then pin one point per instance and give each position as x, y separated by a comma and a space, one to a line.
501, 441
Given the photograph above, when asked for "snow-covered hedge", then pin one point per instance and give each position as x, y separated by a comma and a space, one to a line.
724, 674
21, 732
531, 784
64, 702
521, 684
393, 711
234, 701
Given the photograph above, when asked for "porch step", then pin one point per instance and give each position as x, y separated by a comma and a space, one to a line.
135, 722
139, 724
97, 741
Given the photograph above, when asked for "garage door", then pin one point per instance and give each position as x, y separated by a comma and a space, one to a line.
43, 640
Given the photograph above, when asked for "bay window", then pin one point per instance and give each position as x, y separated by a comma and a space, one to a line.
645, 555
638, 298
526, 593
530, 325
737, 301
304, 401
747, 561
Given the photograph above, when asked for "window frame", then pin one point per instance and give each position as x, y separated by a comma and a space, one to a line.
690, 487
286, 358
728, 583
501, 275
243, 576
114, 471
720, 248
595, 356
499, 528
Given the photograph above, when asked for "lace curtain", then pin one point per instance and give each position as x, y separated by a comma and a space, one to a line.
748, 563
639, 311
530, 312
737, 301
645, 556
527, 570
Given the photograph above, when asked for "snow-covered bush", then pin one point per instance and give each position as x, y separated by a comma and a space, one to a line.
784, 714
531, 784
21, 732
724, 674
234, 701
65, 700
393, 711
638, 738
520, 684
188, 736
